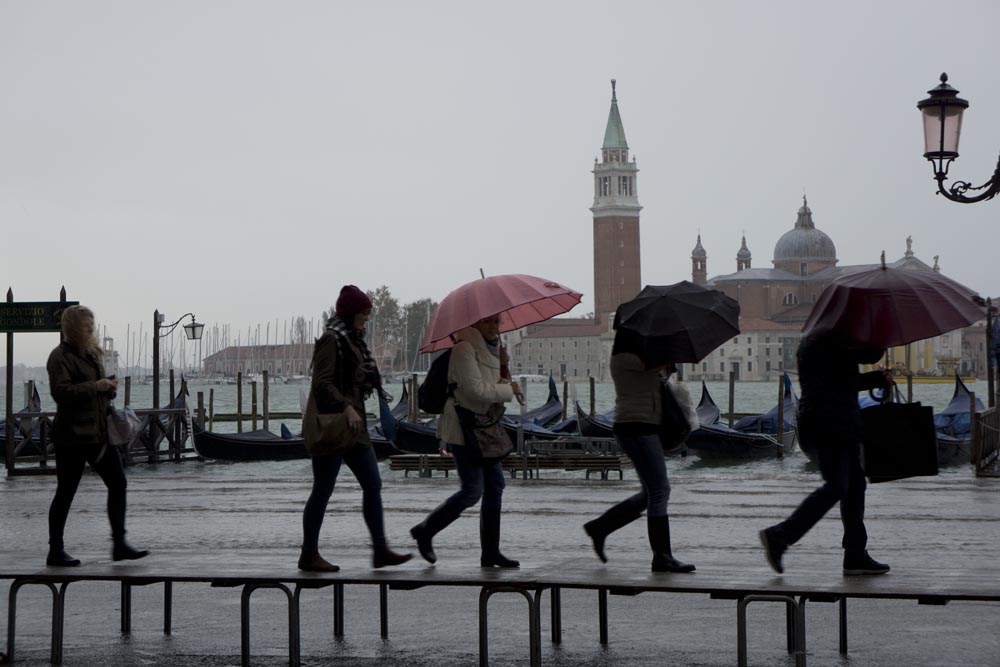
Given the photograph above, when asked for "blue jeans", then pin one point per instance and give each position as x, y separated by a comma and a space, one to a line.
361, 461
646, 454
479, 480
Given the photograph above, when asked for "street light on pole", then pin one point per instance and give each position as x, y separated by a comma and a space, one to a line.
192, 330
942, 112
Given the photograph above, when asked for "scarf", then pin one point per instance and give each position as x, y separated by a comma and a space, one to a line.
366, 374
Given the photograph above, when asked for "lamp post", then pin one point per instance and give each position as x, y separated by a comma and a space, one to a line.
192, 330
942, 112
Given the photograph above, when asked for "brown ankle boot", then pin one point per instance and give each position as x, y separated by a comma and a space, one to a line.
383, 556
311, 561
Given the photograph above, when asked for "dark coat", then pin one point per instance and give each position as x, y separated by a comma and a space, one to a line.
335, 384
830, 382
81, 410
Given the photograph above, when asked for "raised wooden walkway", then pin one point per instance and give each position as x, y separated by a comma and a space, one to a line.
627, 577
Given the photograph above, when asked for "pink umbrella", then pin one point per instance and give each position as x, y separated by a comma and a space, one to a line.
520, 300
886, 307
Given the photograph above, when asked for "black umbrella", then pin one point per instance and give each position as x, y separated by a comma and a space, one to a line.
679, 323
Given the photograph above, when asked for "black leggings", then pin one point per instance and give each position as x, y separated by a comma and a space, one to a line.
70, 462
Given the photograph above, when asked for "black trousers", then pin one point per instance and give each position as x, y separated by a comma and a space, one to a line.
70, 462
843, 482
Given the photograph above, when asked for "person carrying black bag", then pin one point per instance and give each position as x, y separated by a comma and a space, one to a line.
829, 417
639, 397
470, 425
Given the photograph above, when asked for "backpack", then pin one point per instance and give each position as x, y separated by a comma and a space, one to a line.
433, 393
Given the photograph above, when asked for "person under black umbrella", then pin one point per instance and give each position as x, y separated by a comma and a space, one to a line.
662, 326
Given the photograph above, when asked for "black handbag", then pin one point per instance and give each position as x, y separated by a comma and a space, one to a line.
674, 427
898, 441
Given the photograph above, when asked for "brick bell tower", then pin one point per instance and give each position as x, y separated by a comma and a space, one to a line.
617, 276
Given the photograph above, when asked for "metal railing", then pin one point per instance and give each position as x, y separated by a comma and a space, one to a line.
986, 442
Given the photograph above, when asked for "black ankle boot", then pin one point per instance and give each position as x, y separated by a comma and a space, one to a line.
311, 561
616, 517
123, 551
59, 558
383, 556
489, 538
443, 515
659, 539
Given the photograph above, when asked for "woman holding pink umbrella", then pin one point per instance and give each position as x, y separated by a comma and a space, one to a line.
471, 318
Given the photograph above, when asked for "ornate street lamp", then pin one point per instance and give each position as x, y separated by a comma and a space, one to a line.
192, 330
942, 112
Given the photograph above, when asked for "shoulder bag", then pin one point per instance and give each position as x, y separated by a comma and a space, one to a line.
485, 436
674, 424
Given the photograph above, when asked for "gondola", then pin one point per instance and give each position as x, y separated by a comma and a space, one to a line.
259, 445
28, 444
545, 414
263, 445
752, 437
954, 427
594, 425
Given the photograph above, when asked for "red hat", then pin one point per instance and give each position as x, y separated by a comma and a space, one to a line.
351, 302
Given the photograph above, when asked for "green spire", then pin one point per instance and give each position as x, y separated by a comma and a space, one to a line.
614, 136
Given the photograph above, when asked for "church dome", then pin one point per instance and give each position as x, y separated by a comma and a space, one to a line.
804, 242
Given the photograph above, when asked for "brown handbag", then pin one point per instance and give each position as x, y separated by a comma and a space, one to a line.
325, 433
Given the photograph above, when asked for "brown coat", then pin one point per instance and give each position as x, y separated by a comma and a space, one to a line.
81, 410
334, 388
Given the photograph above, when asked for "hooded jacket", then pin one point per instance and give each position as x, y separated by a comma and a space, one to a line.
476, 373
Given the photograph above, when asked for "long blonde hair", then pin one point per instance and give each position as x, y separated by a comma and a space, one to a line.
71, 323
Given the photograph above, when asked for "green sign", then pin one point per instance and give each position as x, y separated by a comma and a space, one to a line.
32, 315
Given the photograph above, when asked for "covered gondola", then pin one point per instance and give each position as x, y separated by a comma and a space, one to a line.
752, 437
259, 445
595, 425
954, 427
544, 415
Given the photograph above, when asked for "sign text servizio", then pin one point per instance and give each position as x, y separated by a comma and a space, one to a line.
31, 316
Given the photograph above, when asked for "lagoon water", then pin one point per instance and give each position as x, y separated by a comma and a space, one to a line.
248, 511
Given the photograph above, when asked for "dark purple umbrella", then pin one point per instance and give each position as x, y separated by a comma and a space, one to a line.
680, 323
886, 307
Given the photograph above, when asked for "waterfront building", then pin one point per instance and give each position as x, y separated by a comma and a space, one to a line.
287, 360
775, 302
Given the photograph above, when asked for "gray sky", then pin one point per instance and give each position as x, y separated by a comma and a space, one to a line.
244, 159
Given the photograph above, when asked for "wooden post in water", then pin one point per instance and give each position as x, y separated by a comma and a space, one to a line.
253, 405
989, 353
211, 407
781, 415
239, 402
9, 396
170, 398
565, 398
173, 443
411, 412
128, 390
732, 396
909, 388
201, 410
593, 395
266, 410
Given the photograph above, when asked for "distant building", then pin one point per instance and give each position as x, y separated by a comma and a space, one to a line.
775, 303
284, 360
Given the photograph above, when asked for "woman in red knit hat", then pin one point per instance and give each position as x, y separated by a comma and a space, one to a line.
344, 375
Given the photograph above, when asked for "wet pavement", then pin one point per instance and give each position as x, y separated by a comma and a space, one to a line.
248, 511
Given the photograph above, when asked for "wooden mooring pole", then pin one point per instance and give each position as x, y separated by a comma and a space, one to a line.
128, 390
732, 396
253, 405
239, 402
211, 408
781, 415
266, 410
565, 398
593, 395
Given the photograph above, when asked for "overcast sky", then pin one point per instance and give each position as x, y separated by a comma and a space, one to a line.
244, 159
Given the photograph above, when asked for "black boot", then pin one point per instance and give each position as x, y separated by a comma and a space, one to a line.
489, 538
383, 556
436, 521
659, 540
59, 558
618, 516
122, 550
311, 561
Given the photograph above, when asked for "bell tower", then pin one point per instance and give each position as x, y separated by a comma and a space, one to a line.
617, 276
699, 263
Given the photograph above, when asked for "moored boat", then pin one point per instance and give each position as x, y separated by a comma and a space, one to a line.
954, 426
752, 437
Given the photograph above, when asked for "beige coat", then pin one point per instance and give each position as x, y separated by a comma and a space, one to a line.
476, 372
637, 390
